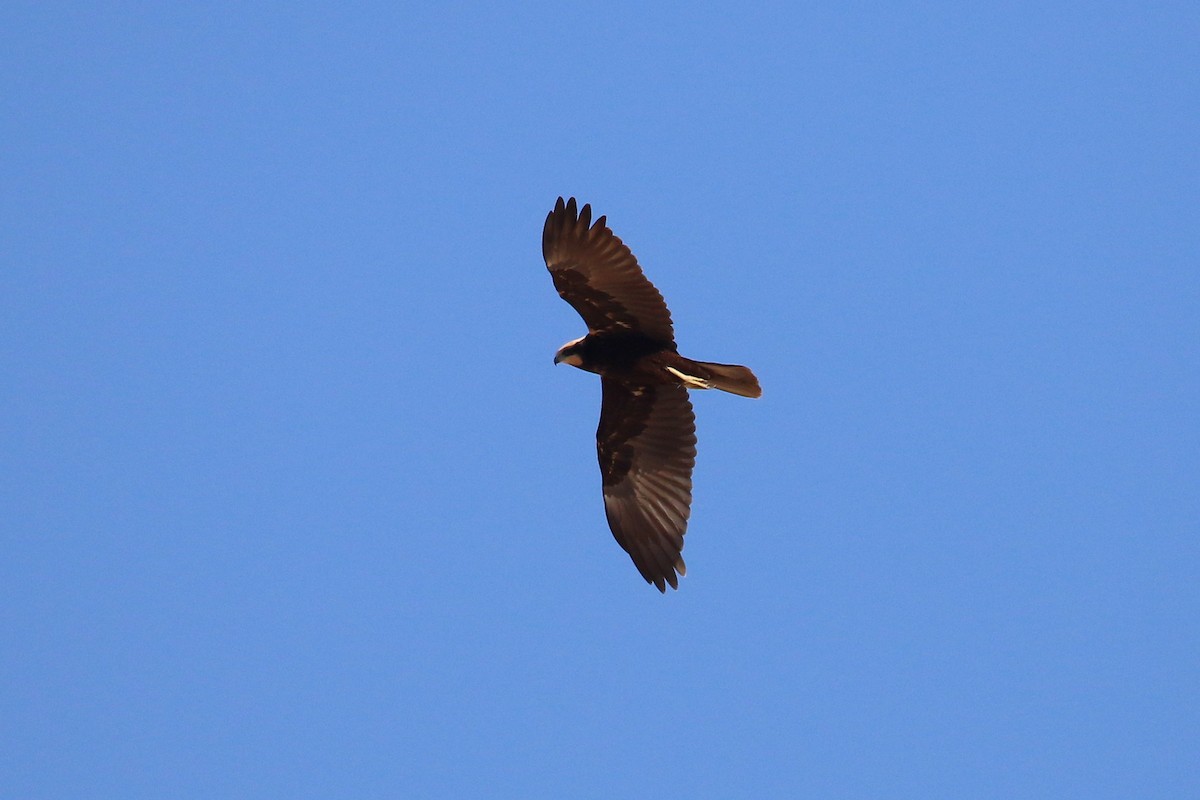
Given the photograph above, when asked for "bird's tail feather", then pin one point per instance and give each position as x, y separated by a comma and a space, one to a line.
730, 378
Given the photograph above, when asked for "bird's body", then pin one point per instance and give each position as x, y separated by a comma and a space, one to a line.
646, 440
634, 358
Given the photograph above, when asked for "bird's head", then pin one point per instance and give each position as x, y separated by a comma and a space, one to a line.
569, 353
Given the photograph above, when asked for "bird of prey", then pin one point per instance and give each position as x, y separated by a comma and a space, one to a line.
646, 440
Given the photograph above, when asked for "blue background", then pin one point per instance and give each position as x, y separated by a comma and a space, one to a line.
295, 505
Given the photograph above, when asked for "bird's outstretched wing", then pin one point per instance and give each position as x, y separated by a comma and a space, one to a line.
596, 273
647, 447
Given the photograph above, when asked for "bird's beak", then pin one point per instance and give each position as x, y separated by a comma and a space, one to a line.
558, 358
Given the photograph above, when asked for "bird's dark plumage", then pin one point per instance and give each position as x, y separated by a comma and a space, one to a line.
596, 273
646, 440
647, 447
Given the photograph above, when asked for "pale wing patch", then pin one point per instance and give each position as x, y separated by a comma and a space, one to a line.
691, 381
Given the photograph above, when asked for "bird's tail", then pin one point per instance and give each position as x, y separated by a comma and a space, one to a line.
729, 378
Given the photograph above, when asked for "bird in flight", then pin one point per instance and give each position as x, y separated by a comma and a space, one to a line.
646, 440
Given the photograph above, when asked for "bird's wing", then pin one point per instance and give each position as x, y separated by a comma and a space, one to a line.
596, 273
647, 447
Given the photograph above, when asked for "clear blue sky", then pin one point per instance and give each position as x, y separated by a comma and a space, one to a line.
294, 503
